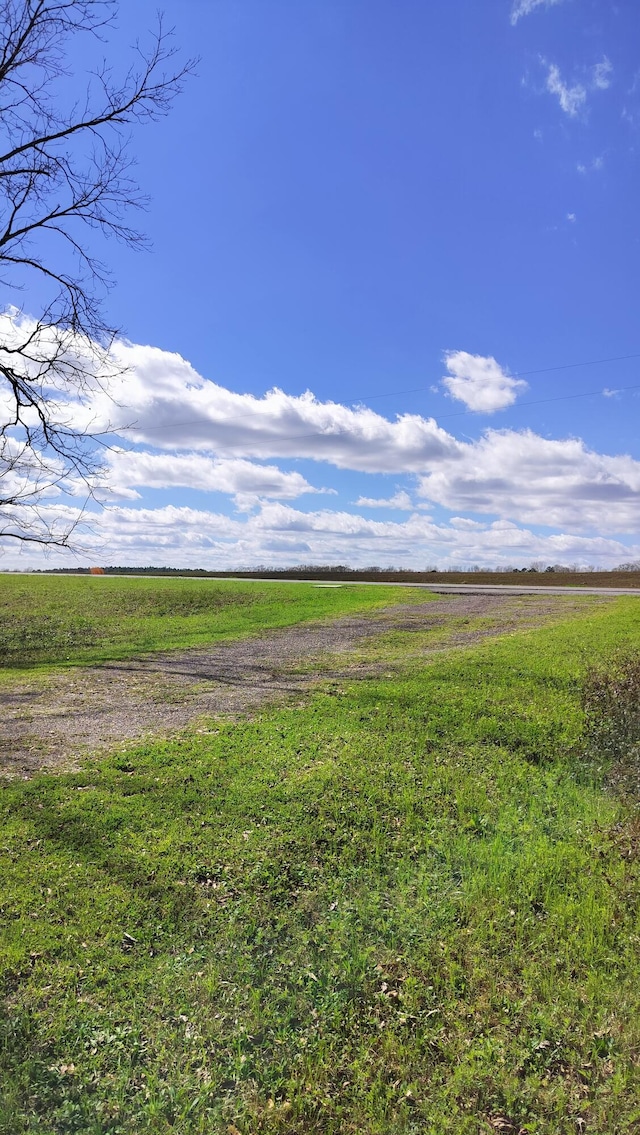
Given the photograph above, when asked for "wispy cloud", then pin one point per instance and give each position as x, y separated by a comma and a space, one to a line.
480, 382
571, 99
525, 7
594, 166
601, 74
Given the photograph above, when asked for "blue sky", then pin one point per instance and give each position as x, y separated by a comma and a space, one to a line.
351, 202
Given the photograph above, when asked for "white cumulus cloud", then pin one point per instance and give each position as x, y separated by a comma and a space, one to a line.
279, 534
480, 382
200, 435
235, 476
161, 401
522, 477
398, 500
518, 476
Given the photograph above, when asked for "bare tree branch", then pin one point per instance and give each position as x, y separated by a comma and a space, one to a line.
64, 173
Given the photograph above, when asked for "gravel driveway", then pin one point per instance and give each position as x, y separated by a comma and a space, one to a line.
54, 721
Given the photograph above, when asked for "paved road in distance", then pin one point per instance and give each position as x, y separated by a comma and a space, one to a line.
515, 589
472, 588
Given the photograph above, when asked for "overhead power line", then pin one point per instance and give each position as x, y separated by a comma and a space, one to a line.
415, 390
555, 398
521, 374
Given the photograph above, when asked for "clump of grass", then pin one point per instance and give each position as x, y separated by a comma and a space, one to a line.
33, 637
611, 708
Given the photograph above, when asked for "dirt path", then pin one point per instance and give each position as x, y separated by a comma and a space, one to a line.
53, 722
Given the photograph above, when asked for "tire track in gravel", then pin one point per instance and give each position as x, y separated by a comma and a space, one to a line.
54, 721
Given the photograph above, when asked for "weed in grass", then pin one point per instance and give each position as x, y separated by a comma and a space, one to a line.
611, 707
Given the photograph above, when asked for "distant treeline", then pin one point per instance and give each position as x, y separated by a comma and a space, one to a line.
625, 575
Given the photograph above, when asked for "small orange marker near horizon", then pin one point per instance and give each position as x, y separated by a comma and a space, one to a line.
96, 571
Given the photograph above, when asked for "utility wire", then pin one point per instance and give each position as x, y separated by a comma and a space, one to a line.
520, 374
419, 389
542, 401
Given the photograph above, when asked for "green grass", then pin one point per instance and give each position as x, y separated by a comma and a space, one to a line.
47, 620
406, 907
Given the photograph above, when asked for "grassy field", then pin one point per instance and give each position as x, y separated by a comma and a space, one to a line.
409, 906
61, 620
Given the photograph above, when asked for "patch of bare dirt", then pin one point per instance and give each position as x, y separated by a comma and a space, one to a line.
74, 713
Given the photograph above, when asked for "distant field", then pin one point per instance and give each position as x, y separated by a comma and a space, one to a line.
68, 620
407, 906
393, 575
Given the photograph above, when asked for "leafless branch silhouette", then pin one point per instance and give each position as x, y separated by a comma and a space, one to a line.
64, 173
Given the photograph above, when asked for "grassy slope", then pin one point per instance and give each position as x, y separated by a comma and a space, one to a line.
403, 908
58, 620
